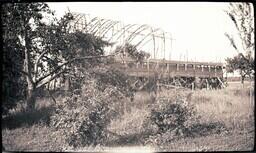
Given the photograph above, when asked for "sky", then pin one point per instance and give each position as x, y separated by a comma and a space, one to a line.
197, 27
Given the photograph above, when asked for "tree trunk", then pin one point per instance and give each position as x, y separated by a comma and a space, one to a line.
27, 67
31, 95
31, 99
242, 80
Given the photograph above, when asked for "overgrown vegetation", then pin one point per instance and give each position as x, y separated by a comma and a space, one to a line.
177, 118
131, 51
223, 119
241, 14
84, 116
47, 48
101, 105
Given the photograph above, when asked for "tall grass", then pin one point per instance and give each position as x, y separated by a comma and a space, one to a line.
231, 106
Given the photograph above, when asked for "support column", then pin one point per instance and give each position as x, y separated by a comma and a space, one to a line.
207, 84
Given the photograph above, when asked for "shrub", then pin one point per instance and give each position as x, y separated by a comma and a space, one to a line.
110, 76
172, 119
84, 116
169, 115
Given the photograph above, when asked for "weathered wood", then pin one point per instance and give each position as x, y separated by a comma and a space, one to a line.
170, 69
221, 82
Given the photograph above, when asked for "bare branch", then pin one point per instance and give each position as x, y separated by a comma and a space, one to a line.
25, 73
232, 17
242, 17
68, 62
51, 78
37, 61
231, 41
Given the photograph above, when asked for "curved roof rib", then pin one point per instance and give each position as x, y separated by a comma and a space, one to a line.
116, 31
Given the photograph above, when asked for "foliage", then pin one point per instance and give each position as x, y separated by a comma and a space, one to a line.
129, 50
82, 45
47, 46
84, 116
13, 84
69, 54
13, 17
243, 63
108, 76
172, 118
241, 15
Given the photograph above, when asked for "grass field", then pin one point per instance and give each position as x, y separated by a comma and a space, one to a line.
231, 107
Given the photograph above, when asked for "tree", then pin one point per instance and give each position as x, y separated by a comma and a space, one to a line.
13, 49
82, 45
241, 15
129, 50
12, 62
49, 48
243, 63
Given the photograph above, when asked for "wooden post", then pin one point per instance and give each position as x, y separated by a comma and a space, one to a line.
186, 67
207, 84
178, 67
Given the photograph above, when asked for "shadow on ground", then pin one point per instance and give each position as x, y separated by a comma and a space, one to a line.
197, 130
204, 129
126, 140
135, 139
21, 119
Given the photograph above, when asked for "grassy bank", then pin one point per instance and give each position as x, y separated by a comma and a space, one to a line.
230, 107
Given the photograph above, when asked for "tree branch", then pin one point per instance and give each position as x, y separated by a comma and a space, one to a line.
231, 39
51, 78
68, 62
37, 61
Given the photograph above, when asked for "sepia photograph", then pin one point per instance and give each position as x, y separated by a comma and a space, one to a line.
128, 76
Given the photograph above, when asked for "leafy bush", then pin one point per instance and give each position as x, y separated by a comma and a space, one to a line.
169, 116
131, 51
171, 119
108, 76
84, 116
